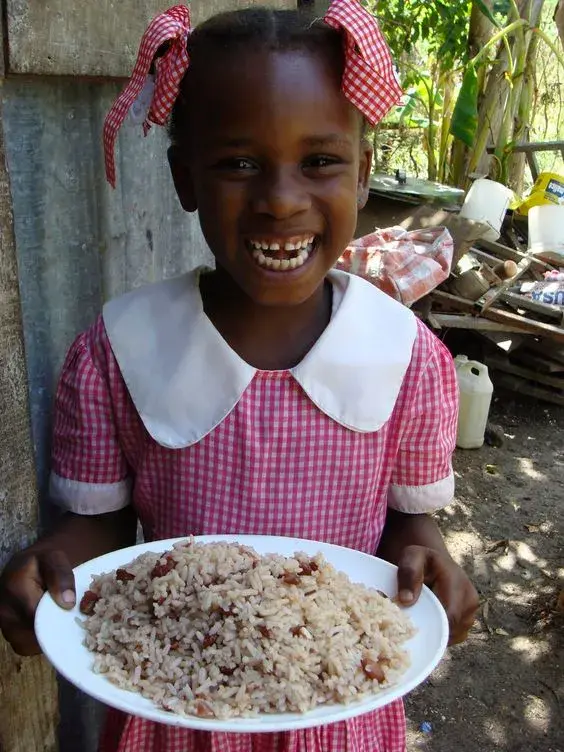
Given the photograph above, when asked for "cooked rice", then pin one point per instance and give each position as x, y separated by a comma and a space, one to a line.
216, 630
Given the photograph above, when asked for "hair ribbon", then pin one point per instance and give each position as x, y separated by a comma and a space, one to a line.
369, 80
172, 27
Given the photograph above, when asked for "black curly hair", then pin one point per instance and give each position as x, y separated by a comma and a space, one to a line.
252, 28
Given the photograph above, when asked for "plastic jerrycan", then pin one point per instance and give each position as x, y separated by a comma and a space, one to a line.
475, 391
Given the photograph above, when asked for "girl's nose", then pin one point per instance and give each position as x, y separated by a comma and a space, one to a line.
281, 195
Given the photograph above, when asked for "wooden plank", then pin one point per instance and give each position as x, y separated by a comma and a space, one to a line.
503, 252
95, 38
28, 698
522, 386
555, 354
453, 302
542, 364
538, 328
521, 324
3, 49
471, 323
533, 146
492, 261
487, 300
526, 373
520, 301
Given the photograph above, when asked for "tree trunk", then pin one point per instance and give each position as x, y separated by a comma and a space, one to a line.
522, 123
480, 31
498, 110
559, 19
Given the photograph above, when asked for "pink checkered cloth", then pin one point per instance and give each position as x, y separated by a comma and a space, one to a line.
275, 465
405, 265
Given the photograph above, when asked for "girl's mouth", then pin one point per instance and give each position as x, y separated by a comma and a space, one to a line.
281, 255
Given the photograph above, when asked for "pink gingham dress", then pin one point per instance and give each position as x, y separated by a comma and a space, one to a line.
154, 409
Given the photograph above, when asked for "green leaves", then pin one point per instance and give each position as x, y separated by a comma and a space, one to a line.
464, 123
435, 27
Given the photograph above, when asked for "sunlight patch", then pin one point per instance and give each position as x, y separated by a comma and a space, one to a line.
527, 468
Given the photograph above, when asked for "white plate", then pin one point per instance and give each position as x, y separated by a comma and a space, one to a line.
60, 637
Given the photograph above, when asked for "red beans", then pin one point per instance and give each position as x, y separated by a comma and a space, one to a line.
89, 600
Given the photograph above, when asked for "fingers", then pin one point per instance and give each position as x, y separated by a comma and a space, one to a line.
460, 600
21, 638
58, 577
22, 586
418, 565
20, 592
463, 618
411, 574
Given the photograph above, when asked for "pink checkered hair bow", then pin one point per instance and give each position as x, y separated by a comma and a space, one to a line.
172, 27
369, 79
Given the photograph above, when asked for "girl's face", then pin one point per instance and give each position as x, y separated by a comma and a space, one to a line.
275, 164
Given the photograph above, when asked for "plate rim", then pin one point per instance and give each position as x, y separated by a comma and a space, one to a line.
248, 724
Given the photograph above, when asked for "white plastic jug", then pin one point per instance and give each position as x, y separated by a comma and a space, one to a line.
546, 231
487, 202
475, 390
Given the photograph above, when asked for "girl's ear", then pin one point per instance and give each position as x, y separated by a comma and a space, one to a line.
364, 171
182, 178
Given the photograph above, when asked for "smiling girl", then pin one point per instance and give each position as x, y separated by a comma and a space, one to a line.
272, 395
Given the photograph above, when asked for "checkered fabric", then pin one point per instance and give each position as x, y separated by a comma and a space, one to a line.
173, 27
369, 79
405, 265
276, 465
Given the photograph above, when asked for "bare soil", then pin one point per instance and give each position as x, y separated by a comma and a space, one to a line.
503, 690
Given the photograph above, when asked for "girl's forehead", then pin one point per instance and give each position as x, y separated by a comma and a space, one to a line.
265, 86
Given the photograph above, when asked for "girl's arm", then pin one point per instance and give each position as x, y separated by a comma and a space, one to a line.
414, 543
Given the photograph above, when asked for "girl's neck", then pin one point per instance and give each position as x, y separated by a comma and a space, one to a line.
267, 337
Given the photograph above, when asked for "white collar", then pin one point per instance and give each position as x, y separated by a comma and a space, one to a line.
184, 379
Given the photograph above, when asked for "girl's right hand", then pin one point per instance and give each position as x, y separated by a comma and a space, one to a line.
22, 584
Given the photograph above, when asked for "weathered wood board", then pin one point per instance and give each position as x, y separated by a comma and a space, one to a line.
28, 706
96, 38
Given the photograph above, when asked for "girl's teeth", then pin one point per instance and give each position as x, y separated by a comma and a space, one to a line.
302, 247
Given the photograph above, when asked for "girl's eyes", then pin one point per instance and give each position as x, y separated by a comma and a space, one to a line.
236, 164
317, 164
321, 162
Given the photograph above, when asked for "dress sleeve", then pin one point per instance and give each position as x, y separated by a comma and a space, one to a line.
89, 472
423, 478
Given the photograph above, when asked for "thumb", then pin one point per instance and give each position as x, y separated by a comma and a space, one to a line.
411, 574
58, 577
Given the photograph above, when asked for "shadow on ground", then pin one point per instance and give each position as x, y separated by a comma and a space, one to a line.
503, 689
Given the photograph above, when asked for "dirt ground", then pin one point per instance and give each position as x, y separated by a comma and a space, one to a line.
503, 690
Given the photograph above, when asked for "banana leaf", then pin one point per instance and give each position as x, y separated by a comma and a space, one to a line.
464, 123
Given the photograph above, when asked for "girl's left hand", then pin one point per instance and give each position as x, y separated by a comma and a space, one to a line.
418, 565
